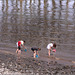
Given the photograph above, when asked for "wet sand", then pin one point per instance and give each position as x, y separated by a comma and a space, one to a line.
27, 65
26, 19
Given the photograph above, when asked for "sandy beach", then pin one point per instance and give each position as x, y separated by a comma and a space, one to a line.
38, 22
27, 65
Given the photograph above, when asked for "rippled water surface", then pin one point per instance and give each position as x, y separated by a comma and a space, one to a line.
39, 22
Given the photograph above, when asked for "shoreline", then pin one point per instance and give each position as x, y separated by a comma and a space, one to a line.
30, 66
51, 58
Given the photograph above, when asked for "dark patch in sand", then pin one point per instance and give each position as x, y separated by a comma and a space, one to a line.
38, 66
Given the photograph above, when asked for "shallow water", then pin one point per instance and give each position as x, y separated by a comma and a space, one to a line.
39, 22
